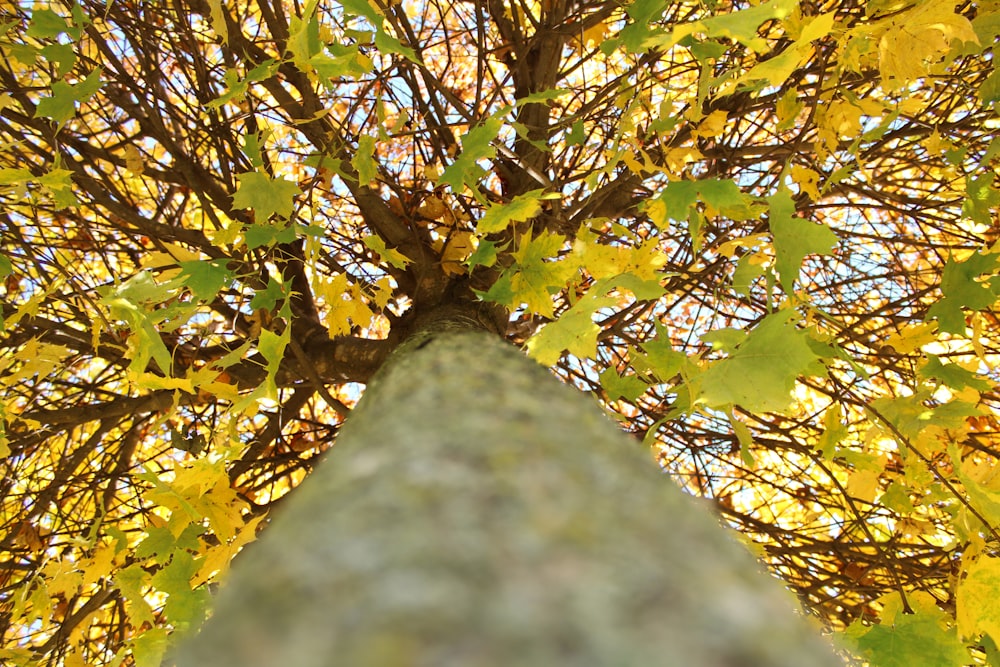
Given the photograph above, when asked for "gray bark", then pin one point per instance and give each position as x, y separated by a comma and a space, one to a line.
478, 513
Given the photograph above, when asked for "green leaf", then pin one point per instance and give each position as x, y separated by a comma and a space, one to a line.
637, 33
989, 90
272, 347
133, 581
386, 43
745, 438
574, 332
726, 197
128, 302
962, 288
673, 202
725, 340
238, 88
157, 545
58, 184
149, 647
534, 277
340, 61
676, 200
952, 375
185, 606
364, 9
660, 357
576, 135
394, 257
206, 278
795, 238
61, 105
364, 160
520, 208
303, 39
543, 96
15, 176
476, 145
912, 414
63, 55
981, 198
269, 297
741, 26
913, 639
984, 499
748, 269
265, 195
760, 374
259, 235
628, 387
484, 255
46, 24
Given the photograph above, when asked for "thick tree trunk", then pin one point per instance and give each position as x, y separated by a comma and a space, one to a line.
477, 513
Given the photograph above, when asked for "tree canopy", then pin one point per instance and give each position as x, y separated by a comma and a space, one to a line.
763, 234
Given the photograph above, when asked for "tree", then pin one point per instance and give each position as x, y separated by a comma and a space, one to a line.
762, 234
464, 537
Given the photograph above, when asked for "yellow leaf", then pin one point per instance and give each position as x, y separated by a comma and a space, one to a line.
40, 359
910, 338
345, 304
843, 118
151, 381
133, 160
644, 261
807, 180
678, 158
712, 125
728, 249
935, 144
217, 560
74, 660
218, 19
594, 35
978, 591
456, 251
916, 40
433, 208
62, 578
788, 108
102, 563
863, 485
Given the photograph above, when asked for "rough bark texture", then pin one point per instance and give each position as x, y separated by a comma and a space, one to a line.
477, 513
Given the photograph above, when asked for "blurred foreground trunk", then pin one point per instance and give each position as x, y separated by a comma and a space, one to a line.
478, 513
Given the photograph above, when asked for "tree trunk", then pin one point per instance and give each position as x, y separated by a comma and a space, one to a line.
478, 513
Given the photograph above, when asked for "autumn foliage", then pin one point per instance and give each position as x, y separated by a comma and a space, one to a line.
762, 233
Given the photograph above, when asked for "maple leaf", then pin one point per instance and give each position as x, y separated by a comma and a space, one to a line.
794, 238
628, 387
534, 277
919, 38
265, 195
920, 637
520, 208
364, 160
574, 332
476, 145
977, 611
962, 288
760, 374
61, 105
